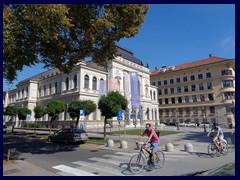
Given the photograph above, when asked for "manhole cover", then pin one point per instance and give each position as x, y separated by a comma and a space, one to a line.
95, 173
10, 171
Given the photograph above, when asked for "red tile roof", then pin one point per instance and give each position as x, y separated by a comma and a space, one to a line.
209, 60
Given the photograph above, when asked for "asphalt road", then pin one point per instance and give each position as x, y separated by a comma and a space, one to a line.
47, 155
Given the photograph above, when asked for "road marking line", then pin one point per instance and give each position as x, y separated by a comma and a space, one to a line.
99, 167
109, 161
73, 171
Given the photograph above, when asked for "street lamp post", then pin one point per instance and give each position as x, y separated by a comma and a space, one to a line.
176, 116
204, 118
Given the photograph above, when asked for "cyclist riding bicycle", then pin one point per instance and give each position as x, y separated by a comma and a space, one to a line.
219, 134
152, 141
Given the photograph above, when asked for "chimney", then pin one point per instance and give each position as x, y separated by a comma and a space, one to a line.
210, 55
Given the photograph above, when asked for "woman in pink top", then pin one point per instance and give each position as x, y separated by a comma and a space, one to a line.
152, 141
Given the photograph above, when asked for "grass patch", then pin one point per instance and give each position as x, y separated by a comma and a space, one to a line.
138, 132
100, 140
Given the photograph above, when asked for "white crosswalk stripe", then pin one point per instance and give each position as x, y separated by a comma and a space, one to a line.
107, 165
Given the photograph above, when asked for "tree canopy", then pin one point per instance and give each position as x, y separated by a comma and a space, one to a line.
54, 108
11, 111
61, 35
110, 105
22, 113
39, 111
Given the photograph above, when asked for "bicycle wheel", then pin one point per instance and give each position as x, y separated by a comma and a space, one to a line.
212, 150
137, 163
225, 149
160, 159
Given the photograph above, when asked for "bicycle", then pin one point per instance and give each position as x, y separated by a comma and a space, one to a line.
214, 148
141, 159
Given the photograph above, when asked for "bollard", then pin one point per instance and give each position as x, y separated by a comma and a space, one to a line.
110, 143
169, 147
188, 147
124, 145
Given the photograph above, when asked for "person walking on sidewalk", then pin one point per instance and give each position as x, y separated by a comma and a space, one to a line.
152, 141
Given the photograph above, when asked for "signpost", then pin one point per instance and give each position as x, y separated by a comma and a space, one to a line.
119, 118
82, 117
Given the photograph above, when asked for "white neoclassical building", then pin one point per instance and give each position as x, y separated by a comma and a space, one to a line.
86, 82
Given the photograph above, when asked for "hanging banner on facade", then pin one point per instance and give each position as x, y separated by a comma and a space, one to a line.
114, 84
135, 98
127, 92
102, 88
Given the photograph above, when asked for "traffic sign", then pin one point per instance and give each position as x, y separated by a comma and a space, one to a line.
28, 116
119, 115
82, 112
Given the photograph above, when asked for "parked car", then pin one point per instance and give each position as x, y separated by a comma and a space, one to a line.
68, 135
190, 124
207, 124
4, 129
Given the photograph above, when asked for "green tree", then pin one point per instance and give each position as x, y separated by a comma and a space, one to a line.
22, 113
60, 35
109, 106
39, 112
11, 111
54, 108
75, 106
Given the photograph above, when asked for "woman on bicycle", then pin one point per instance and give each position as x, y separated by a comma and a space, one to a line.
152, 141
219, 134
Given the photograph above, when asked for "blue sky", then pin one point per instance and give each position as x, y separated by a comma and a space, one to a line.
175, 34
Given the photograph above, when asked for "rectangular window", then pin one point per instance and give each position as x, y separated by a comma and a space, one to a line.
173, 100
165, 82
208, 75
201, 87
159, 83
226, 72
160, 101
165, 91
195, 110
186, 99
166, 100
178, 80
188, 111
192, 78
179, 99
200, 76
167, 112
194, 98
209, 85
228, 95
227, 83
153, 83
193, 87
172, 90
202, 97
159, 92
178, 89
185, 79
210, 97
212, 109
185, 88
171, 81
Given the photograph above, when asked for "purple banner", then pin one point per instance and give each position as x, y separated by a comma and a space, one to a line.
102, 88
127, 92
135, 98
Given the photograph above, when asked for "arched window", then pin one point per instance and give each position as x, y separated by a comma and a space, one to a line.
22, 93
67, 83
39, 92
44, 90
50, 89
146, 92
86, 82
56, 87
151, 94
75, 81
94, 83
154, 96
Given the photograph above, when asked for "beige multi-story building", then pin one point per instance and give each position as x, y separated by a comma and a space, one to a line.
198, 92
83, 83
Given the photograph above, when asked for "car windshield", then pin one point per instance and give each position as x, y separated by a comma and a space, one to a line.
79, 131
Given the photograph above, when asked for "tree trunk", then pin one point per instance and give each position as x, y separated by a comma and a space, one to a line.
76, 125
104, 129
